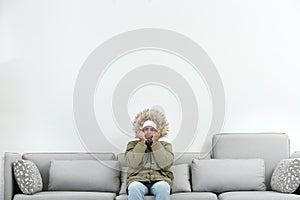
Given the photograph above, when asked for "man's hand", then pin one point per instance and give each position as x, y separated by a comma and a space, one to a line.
156, 136
141, 136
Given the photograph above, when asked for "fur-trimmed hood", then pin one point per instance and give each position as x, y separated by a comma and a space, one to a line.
156, 116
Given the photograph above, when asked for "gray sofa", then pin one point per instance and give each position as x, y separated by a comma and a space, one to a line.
269, 147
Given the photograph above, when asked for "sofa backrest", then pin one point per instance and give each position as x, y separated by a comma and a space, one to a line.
272, 147
42, 160
179, 157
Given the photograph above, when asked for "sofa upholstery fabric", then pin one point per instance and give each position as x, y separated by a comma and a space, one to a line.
67, 195
181, 196
257, 195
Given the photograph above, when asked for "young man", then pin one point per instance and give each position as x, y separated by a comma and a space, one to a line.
149, 160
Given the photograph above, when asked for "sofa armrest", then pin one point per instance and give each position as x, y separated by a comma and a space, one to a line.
296, 154
10, 186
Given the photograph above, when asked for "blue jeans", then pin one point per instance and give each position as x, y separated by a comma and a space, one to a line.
160, 189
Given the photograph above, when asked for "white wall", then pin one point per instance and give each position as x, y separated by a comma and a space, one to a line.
43, 44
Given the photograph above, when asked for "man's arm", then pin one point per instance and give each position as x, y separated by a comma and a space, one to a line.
163, 155
134, 153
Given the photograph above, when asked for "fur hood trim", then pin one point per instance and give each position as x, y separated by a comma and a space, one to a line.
156, 116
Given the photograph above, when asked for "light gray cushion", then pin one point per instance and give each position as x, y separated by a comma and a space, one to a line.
257, 195
84, 175
286, 176
181, 178
220, 175
123, 180
194, 196
67, 195
125, 197
27, 176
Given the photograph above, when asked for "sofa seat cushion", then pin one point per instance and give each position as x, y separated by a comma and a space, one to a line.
257, 195
194, 196
125, 197
180, 196
66, 195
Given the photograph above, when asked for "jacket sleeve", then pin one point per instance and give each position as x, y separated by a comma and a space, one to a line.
163, 155
134, 154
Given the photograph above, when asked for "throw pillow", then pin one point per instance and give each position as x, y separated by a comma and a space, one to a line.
27, 176
84, 175
221, 175
181, 178
123, 180
286, 176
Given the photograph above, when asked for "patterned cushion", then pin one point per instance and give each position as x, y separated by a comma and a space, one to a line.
286, 176
27, 176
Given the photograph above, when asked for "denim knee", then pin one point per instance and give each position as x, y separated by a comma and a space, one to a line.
136, 187
162, 187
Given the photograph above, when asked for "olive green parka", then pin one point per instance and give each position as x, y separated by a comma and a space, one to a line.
148, 163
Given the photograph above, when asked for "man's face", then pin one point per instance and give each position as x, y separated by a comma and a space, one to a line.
149, 132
